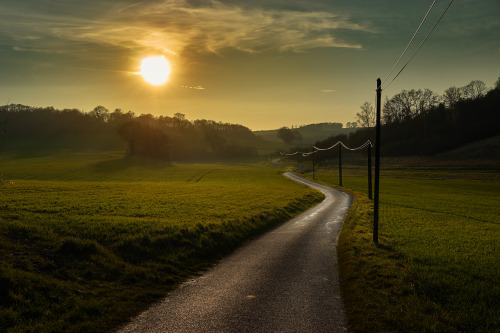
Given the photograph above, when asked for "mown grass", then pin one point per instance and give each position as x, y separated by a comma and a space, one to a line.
438, 262
89, 239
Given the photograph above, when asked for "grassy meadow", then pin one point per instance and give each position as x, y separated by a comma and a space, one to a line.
437, 264
88, 239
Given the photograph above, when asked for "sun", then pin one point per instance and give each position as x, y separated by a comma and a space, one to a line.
155, 70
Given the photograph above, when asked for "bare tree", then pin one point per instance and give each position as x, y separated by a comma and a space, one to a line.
475, 89
408, 104
452, 96
366, 118
429, 99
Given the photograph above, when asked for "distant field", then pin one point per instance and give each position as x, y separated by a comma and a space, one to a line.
437, 268
88, 239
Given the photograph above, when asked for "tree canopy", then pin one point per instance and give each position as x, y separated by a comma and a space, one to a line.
173, 138
288, 135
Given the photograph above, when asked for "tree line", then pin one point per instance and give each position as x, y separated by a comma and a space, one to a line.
409, 104
171, 138
420, 122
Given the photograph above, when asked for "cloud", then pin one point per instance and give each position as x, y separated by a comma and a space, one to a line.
328, 91
195, 87
174, 26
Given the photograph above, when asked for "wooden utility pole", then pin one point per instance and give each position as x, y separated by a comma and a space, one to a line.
370, 172
340, 164
313, 164
377, 164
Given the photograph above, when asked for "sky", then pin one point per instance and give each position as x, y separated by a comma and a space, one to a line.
261, 63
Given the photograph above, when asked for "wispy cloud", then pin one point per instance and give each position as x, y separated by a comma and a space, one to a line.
328, 91
174, 26
195, 87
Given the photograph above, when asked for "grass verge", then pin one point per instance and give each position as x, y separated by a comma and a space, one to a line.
436, 267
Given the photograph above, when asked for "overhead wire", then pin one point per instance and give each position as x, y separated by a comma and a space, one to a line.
316, 149
425, 39
411, 40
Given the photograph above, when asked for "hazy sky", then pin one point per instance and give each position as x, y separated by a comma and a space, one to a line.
261, 63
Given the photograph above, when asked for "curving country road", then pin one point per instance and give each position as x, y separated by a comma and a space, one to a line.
283, 281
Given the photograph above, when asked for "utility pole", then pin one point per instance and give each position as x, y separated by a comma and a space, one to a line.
340, 164
377, 164
313, 165
370, 172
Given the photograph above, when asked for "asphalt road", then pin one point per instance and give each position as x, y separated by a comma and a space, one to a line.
283, 281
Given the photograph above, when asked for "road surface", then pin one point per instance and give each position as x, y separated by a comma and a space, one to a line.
283, 281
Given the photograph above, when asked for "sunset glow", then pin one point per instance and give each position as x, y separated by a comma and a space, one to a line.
262, 64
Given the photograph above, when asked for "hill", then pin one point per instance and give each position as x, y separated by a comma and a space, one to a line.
310, 133
487, 149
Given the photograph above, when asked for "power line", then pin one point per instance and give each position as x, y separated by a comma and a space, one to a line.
316, 149
411, 40
425, 39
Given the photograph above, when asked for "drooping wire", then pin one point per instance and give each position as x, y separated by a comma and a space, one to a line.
316, 149
411, 40
364, 145
425, 39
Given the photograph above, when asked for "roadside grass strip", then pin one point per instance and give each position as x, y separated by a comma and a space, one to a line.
437, 264
112, 235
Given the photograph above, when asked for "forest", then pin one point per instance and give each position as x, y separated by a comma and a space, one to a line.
170, 138
422, 123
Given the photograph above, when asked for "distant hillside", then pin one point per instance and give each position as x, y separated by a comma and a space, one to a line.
487, 149
310, 133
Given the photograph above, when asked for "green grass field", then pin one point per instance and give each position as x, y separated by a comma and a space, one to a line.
437, 266
88, 239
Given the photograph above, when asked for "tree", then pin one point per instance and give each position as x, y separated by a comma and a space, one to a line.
180, 116
3, 129
288, 135
497, 84
475, 89
351, 125
408, 104
366, 118
429, 100
143, 138
117, 117
452, 96
100, 113
214, 139
180, 120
